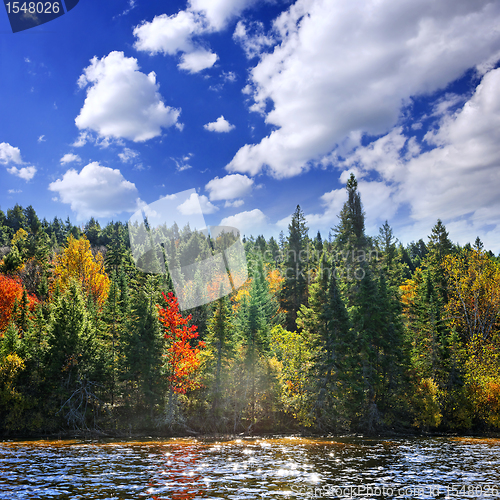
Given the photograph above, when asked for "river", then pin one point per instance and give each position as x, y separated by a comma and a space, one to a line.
276, 468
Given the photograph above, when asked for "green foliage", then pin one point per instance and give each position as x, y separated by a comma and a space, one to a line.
344, 334
295, 267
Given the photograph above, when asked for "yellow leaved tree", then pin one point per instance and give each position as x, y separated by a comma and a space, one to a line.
474, 294
474, 311
76, 262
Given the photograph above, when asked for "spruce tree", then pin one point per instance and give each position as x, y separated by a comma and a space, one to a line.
76, 366
144, 347
296, 266
221, 341
325, 324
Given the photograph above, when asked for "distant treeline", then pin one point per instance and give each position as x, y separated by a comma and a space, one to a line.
349, 333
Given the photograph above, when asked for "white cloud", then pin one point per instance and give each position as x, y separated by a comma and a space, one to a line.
253, 222
365, 59
462, 175
220, 12
230, 76
69, 158
193, 204
182, 162
122, 102
229, 187
26, 173
167, 34
96, 191
15, 191
132, 4
128, 155
9, 154
458, 180
252, 38
219, 125
82, 139
234, 204
171, 35
197, 61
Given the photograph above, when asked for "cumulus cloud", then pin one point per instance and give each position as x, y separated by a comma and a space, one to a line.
121, 101
26, 173
69, 158
193, 204
458, 180
229, 187
219, 125
167, 34
96, 191
250, 222
196, 61
171, 35
9, 154
368, 57
219, 12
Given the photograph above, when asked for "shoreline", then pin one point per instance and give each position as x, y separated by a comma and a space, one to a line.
144, 435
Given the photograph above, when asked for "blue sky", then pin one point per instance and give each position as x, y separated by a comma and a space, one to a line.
259, 105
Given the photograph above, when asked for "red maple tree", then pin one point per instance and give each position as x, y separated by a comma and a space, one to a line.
10, 290
182, 357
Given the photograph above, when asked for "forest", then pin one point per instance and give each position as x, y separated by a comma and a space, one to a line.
334, 333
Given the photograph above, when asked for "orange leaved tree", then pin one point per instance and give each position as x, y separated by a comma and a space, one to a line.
10, 291
77, 263
182, 358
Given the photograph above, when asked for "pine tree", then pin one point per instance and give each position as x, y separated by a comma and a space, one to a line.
352, 249
325, 324
221, 342
116, 252
75, 366
296, 266
350, 231
144, 348
438, 248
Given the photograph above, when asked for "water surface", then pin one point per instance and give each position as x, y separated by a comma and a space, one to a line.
251, 469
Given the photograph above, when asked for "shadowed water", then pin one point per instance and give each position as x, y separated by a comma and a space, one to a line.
251, 469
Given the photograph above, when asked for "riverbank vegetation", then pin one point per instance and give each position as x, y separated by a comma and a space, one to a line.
343, 333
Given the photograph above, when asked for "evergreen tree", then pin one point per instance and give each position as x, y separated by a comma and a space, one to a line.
350, 231
16, 219
92, 231
221, 342
144, 348
76, 364
325, 325
296, 266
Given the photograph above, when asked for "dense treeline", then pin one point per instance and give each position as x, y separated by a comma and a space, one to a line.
349, 333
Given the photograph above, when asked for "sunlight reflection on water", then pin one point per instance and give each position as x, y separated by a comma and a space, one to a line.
181, 469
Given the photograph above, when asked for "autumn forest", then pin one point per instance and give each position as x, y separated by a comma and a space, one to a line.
336, 333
